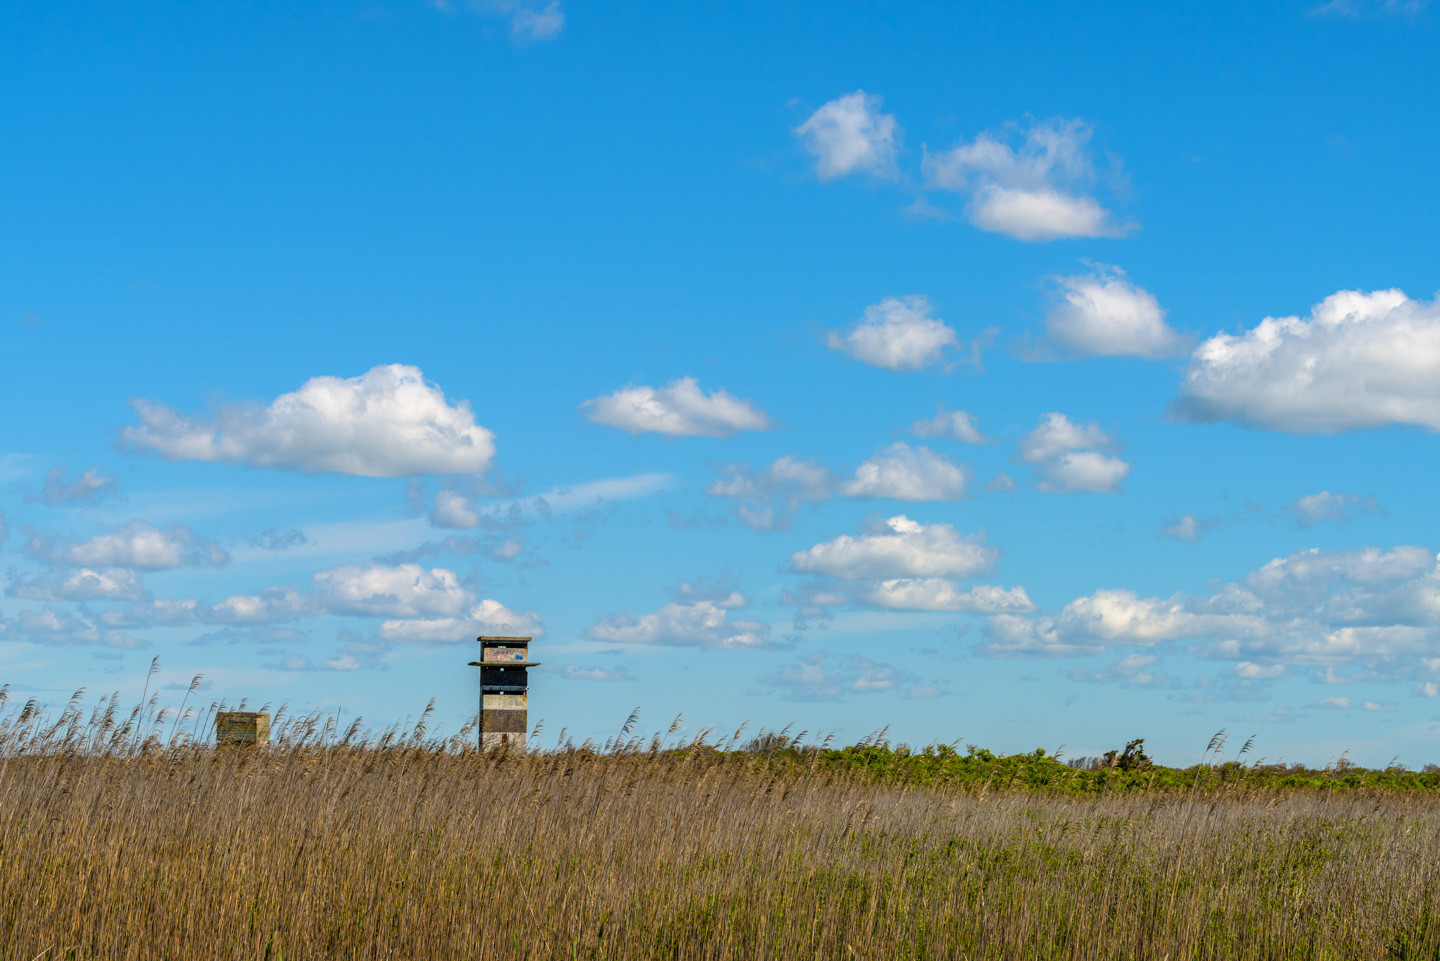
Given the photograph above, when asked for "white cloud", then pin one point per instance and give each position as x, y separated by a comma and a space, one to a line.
1084, 471
899, 548
1189, 527
1056, 435
1033, 191
1359, 360
110, 583
699, 623
1043, 214
1335, 703
1103, 314
850, 135
680, 409
530, 20
267, 607
1132, 670
386, 423
873, 677
1250, 671
808, 679
455, 509
767, 499
64, 629
1382, 707
92, 486
898, 334
941, 594
137, 544
535, 21
405, 590
803, 479
1373, 613
452, 509
486, 617
1327, 506
1058, 448
954, 424
1002, 482
263, 608
416, 604
906, 473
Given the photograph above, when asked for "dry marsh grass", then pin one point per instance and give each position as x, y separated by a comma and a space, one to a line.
114, 845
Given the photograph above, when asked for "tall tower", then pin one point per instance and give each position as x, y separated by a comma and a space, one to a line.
504, 662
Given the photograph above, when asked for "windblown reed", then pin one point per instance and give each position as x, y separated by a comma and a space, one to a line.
114, 844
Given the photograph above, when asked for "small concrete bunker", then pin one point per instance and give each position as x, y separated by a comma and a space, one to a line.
242, 727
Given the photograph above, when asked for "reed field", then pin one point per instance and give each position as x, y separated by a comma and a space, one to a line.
129, 836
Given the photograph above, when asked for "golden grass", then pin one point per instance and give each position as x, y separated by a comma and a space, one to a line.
427, 849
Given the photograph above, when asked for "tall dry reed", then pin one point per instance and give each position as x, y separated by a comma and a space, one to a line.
410, 847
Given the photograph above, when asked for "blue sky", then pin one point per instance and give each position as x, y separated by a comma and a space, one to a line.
1019, 376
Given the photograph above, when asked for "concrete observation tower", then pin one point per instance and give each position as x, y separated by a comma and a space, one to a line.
504, 691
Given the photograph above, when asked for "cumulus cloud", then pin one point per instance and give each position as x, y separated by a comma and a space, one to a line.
899, 548
404, 590
906, 473
1059, 449
65, 629
1086, 470
263, 608
1028, 182
898, 334
139, 545
686, 623
92, 486
1058, 435
387, 422
413, 603
1359, 360
953, 424
1103, 314
486, 617
1250, 671
1331, 506
680, 409
766, 500
850, 135
111, 583
453, 509
1368, 613
942, 594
